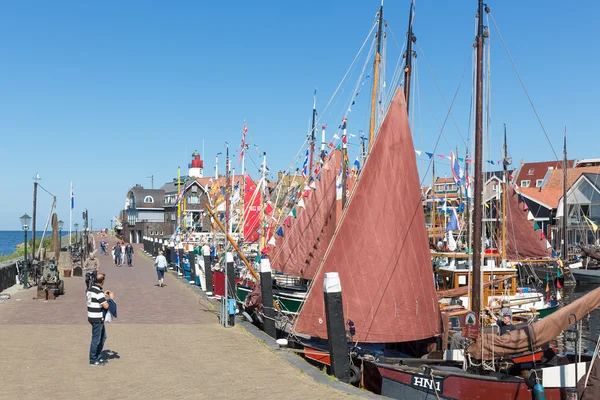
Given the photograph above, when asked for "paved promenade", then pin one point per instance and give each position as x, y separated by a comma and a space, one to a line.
166, 344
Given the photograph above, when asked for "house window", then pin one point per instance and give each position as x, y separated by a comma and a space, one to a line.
530, 172
538, 183
494, 187
194, 189
148, 199
525, 183
193, 199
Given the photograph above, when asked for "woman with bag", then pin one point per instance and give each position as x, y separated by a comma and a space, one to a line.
161, 265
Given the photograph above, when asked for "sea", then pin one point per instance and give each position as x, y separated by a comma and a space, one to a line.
10, 239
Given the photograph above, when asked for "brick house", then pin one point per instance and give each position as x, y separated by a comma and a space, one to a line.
144, 214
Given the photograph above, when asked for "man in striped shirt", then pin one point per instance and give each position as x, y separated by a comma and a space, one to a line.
96, 306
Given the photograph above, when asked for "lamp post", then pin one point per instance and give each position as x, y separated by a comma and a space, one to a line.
60, 226
76, 226
25, 221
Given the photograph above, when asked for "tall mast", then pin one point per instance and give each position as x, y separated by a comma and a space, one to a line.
344, 164
504, 188
313, 131
263, 191
433, 201
410, 39
227, 183
565, 248
376, 78
468, 201
323, 142
363, 150
478, 181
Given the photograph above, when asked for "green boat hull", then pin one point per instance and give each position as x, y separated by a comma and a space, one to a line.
544, 312
288, 304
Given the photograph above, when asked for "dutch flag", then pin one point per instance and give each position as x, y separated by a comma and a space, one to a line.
72, 197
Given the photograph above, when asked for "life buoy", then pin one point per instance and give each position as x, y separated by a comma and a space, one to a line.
492, 301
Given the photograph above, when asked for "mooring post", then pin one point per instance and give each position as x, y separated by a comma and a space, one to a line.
181, 255
266, 286
336, 328
192, 257
172, 251
208, 275
154, 247
230, 290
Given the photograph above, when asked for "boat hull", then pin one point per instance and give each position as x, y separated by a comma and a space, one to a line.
586, 275
399, 384
288, 302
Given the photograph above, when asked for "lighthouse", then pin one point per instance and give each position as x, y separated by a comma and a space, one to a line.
196, 166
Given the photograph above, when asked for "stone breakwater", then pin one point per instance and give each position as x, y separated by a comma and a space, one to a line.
8, 274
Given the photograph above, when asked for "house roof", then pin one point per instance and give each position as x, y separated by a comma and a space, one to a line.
140, 193
532, 171
552, 192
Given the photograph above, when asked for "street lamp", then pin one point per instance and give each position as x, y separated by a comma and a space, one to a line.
60, 226
25, 221
76, 226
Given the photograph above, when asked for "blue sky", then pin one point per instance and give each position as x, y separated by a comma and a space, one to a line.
105, 94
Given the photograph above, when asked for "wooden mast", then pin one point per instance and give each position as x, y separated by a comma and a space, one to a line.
227, 184
344, 164
375, 79
409, 55
565, 248
478, 181
312, 135
433, 201
504, 188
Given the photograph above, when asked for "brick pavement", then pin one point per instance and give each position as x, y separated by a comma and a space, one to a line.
166, 344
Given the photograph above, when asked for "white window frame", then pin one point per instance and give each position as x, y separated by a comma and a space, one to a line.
525, 183
538, 183
146, 201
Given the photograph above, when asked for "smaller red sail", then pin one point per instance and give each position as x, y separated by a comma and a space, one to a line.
522, 241
306, 238
251, 210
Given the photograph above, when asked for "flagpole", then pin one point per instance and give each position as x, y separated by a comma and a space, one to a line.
344, 164
243, 185
178, 194
70, 212
262, 204
232, 204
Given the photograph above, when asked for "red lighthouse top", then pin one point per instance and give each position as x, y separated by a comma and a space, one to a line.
196, 161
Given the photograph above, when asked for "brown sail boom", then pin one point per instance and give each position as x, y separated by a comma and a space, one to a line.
380, 247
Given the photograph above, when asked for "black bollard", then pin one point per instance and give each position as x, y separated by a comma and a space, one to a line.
154, 246
172, 259
266, 286
230, 285
336, 327
181, 255
208, 275
192, 257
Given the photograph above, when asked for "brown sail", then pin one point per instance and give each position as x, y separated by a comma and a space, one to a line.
522, 241
490, 345
305, 241
380, 248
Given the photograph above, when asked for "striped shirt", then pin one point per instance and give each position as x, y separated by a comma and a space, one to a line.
95, 300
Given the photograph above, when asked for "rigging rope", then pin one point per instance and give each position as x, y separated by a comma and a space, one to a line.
523, 85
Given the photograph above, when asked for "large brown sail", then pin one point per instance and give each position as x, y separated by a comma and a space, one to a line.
304, 243
490, 345
522, 241
380, 248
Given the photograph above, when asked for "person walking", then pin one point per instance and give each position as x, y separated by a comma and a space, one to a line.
129, 253
161, 265
118, 254
96, 306
90, 269
122, 253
